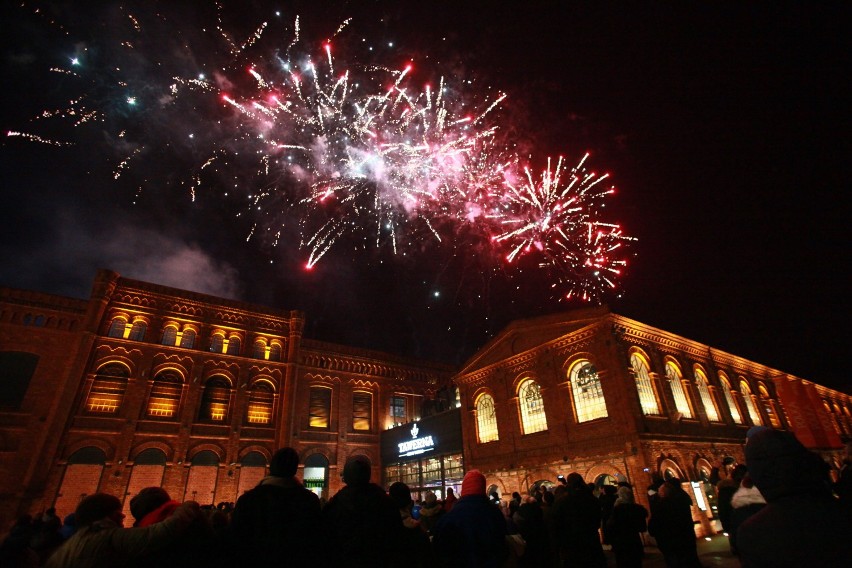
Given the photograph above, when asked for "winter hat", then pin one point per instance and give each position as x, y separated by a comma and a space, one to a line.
780, 465
95, 507
357, 470
430, 498
147, 500
400, 494
473, 483
625, 495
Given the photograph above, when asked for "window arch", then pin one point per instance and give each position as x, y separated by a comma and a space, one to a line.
187, 338
260, 403
166, 390
117, 327
486, 419
362, 410
319, 409
217, 343
675, 379
706, 396
234, 345
531, 404
587, 392
215, 399
107, 391
745, 391
729, 398
169, 336
768, 406
275, 352
137, 331
644, 384
258, 350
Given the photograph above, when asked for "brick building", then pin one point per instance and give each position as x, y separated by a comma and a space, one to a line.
147, 385
611, 398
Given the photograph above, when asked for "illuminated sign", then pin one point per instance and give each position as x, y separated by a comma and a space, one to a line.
416, 446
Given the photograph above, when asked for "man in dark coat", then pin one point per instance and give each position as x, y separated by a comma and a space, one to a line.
473, 533
574, 524
278, 519
802, 524
361, 523
672, 526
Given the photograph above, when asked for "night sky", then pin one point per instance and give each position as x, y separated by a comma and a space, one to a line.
723, 125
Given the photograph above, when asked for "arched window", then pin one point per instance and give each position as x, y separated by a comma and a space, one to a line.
217, 343
259, 349
706, 396
644, 386
169, 336
137, 332
768, 406
533, 418
18, 369
234, 345
362, 410
108, 388
319, 409
116, 328
745, 392
214, 401
260, 403
275, 352
729, 398
675, 380
486, 419
165, 395
187, 338
586, 389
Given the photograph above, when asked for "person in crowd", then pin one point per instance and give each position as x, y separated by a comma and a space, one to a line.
725, 489
745, 502
361, 522
607, 498
574, 525
672, 526
69, 526
15, 549
430, 511
802, 523
529, 519
102, 541
450, 500
516, 497
414, 549
47, 536
626, 523
473, 533
197, 543
278, 518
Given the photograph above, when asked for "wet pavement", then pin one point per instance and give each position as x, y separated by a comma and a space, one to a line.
713, 553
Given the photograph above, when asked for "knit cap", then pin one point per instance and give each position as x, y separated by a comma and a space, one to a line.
473, 483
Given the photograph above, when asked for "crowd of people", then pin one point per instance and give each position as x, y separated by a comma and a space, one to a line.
778, 509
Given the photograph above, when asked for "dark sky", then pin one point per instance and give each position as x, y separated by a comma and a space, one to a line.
724, 126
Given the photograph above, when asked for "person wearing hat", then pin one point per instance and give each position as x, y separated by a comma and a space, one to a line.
278, 518
474, 532
361, 523
414, 550
802, 523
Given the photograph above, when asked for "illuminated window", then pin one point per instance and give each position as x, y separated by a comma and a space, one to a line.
137, 332
165, 395
706, 396
745, 392
260, 403
217, 343
729, 398
587, 392
486, 419
214, 401
362, 410
533, 418
259, 349
644, 386
397, 409
116, 328
676, 384
234, 345
320, 407
107, 389
768, 406
275, 352
187, 339
169, 336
